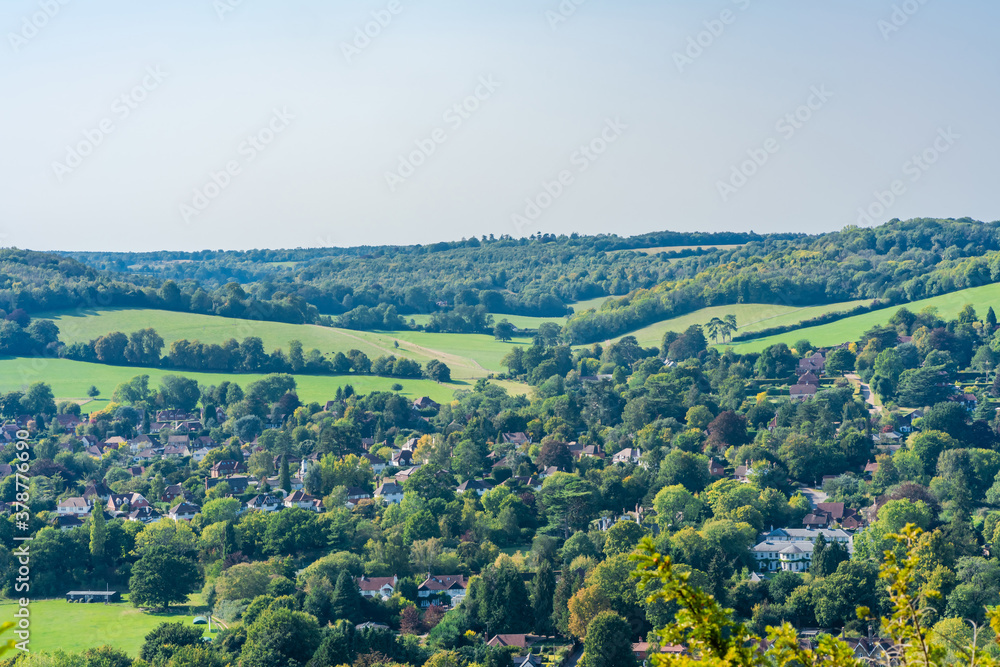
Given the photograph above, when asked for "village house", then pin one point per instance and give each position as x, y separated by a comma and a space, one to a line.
303, 500
404, 475
641, 651
531, 482
140, 443
716, 469
172, 493
68, 422
452, 586
402, 458
119, 502
237, 485
264, 502
627, 455
97, 490
377, 464
145, 514
67, 521
183, 511
517, 438
425, 403
382, 587
199, 454
813, 363
809, 378
228, 467
517, 641
579, 451
146, 455
74, 507
355, 495
791, 549
905, 422
826, 514
389, 492
479, 486
801, 392
176, 451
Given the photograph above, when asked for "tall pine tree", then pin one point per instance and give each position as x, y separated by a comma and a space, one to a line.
346, 603
543, 589
286, 479
98, 533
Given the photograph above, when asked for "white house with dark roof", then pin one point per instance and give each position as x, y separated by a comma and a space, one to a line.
382, 587
452, 585
145, 514
477, 485
183, 511
628, 455
264, 502
389, 492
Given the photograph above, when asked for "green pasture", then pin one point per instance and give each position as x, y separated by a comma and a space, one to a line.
71, 379
851, 328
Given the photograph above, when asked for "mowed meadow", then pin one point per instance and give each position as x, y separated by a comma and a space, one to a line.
73, 627
851, 328
70, 380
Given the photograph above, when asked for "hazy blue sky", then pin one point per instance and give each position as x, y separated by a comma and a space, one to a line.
118, 113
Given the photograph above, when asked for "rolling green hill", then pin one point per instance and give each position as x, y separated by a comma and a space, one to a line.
749, 317
851, 328
469, 356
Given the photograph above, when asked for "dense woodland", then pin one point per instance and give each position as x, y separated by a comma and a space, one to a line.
377, 287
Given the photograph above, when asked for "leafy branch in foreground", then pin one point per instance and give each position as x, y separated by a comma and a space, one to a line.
711, 636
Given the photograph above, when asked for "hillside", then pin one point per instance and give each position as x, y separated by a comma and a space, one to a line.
749, 316
894, 263
468, 355
852, 328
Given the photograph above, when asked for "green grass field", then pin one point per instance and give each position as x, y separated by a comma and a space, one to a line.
465, 357
749, 317
70, 380
527, 321
851, 328
82, 326
470, 356
74, 627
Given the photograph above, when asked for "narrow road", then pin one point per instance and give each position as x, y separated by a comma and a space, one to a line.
815, 496
866, 391
575, 656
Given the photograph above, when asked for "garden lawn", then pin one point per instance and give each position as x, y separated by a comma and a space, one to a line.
73, 627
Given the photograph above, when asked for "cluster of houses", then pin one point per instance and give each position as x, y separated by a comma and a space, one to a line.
390, 489
436, 590
129, 506
809, 371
